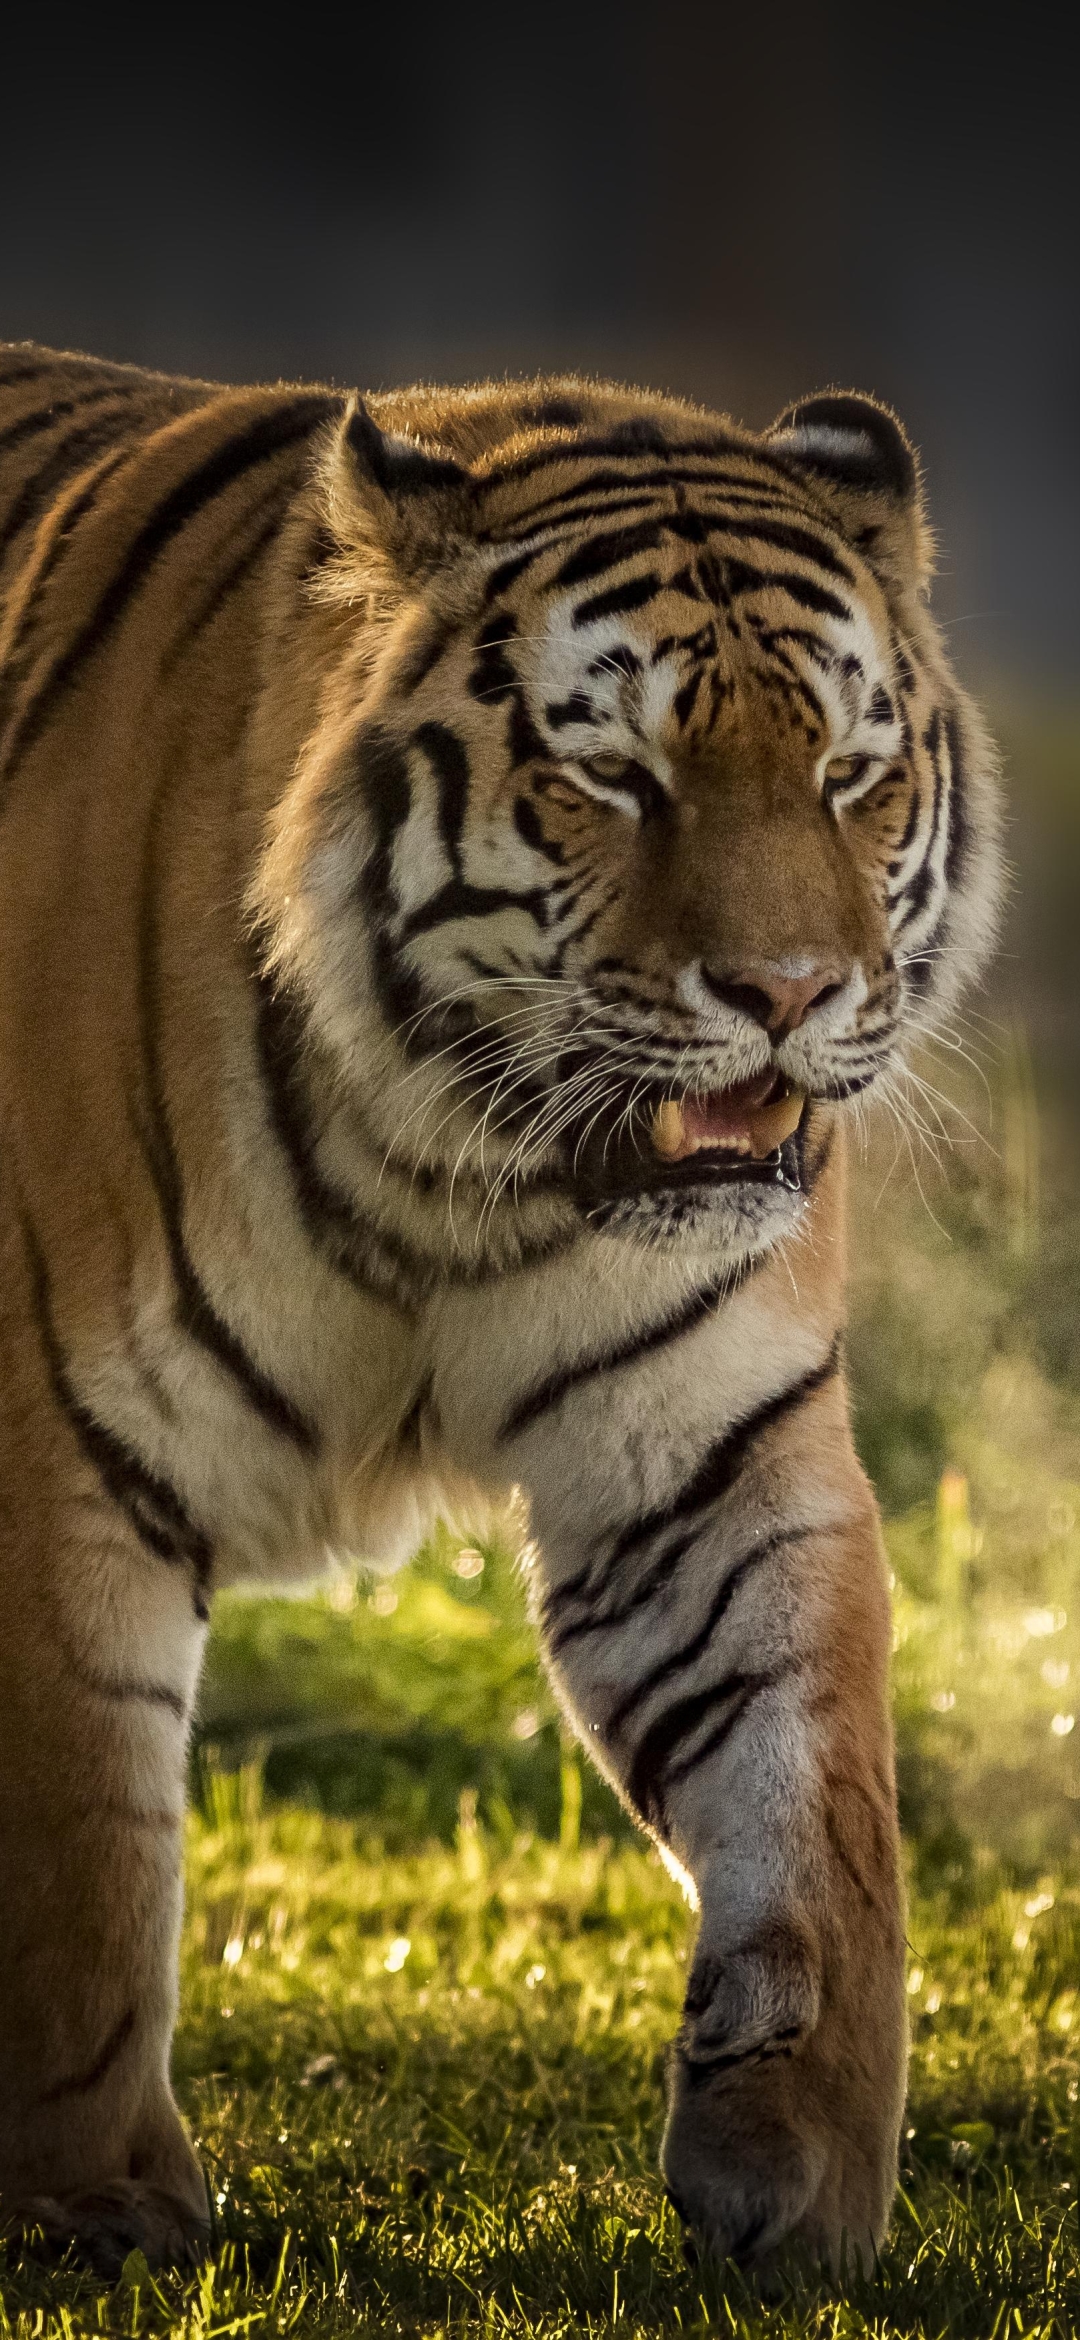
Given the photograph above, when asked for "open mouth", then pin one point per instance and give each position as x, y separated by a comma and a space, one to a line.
746, 1123
749, 1133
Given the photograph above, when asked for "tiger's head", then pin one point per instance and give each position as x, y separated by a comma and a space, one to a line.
644, 823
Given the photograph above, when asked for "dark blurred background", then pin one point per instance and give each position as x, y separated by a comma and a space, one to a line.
741, 202
745, 204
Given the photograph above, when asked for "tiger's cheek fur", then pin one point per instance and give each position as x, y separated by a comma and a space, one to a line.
397, 805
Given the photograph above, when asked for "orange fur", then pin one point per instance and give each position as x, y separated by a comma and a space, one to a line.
289, 851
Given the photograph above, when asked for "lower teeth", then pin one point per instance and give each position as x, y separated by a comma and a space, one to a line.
772, 1125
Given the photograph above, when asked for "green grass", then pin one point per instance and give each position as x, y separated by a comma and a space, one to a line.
461, 2135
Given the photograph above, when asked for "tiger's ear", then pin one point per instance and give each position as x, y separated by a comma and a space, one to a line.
861, 459
397, 505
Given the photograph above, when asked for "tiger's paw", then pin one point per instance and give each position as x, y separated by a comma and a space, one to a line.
784, 2105
104, 2223
762, 2175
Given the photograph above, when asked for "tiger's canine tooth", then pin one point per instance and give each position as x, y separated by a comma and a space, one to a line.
668, 1129
773, 1123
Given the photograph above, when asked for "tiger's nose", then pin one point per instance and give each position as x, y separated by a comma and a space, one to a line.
776, 999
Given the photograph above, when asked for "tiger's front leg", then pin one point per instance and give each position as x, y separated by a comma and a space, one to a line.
726, 1662
99, 1650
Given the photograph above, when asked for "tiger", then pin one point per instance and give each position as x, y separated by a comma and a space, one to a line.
466, 855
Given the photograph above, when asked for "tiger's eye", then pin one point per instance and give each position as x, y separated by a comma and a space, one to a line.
611, 768
843, 769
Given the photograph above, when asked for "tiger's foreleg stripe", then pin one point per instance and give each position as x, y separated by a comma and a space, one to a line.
652, 1774
677, 1661
150, 1503
194, 1308
724, 1460
593, 1620
713, 1479
148, 1693
81, 2083
695, 1311
267, 436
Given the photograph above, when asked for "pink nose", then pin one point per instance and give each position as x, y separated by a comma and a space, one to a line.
778, 1002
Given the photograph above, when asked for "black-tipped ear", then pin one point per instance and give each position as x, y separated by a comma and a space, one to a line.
850, 439
861, 458
399, 467
396, 509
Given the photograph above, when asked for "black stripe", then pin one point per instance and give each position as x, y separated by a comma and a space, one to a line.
383, 776
46, 418
717, 1472
652, 1773
634, 594
32, 373
694, 527
510, 570
371, 1255
807, 545
269, 435
606, 550
195, 1311
450, 764
81, 2083
493, 674
65, 462
958, 834
221, 592
741, 578
814, 1165
614, 443
713, 1479
550, 1392
153, 1507
53, 551
367, 1258
148, 1693
227, 583
563, 528
579, 506
578, 708
459, 899
839, 1091
685, 700
424, 657
677, 1660
916, 893
910, 825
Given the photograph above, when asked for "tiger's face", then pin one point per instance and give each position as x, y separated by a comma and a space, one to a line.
659, 825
